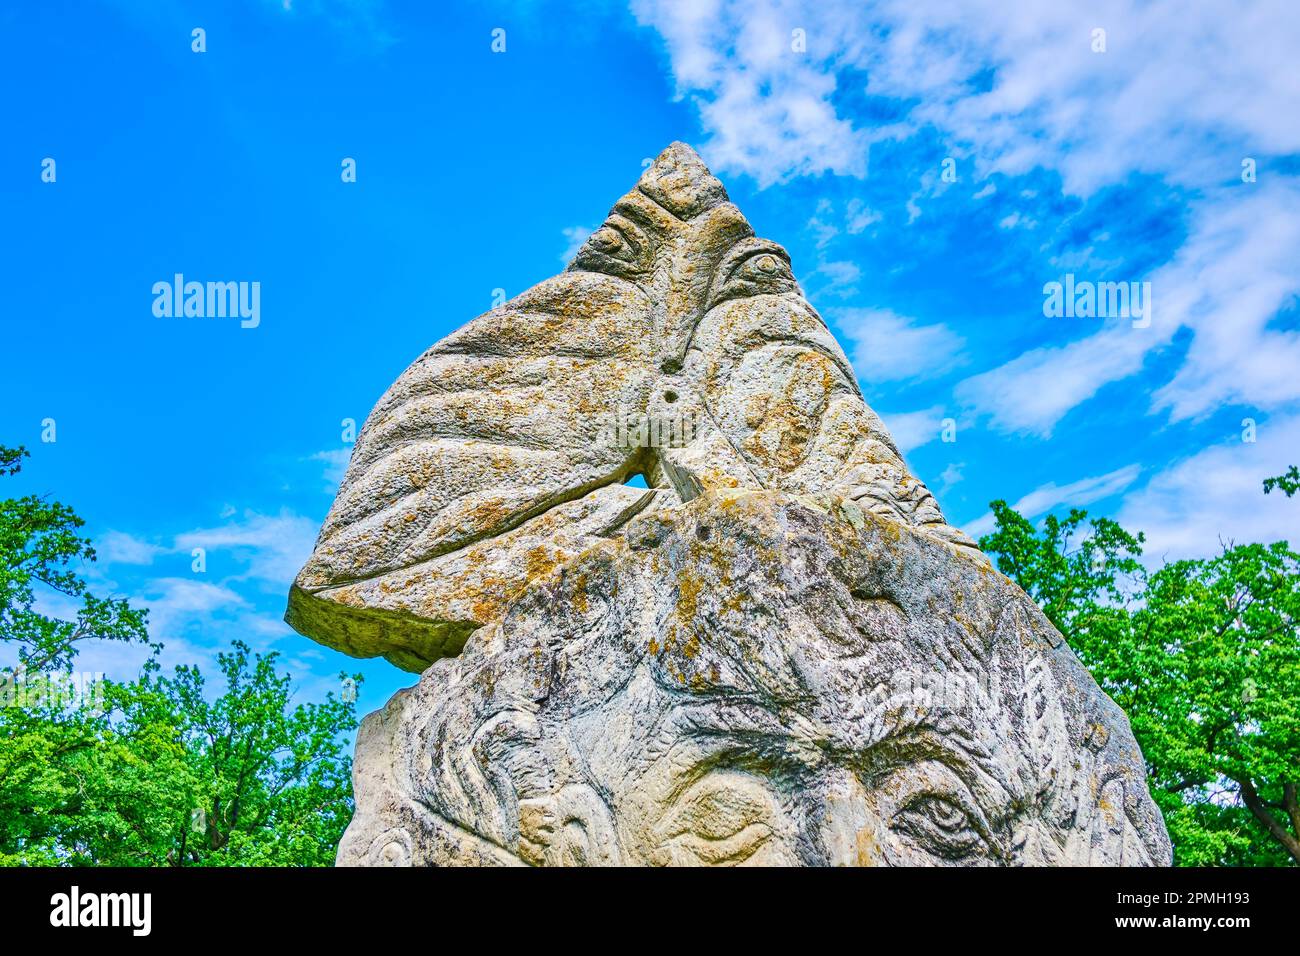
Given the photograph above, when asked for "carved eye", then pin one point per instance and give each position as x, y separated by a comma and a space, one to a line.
940, 825
620, 247
610, 242
764, 265
717, 848
752, 267
723, 821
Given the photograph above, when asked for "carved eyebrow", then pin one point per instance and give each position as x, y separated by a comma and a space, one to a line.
639, 216
915, 741
736, 716
726, 739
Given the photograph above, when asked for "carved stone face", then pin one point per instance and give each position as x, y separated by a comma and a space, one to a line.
493, 459
758, 679
777, 653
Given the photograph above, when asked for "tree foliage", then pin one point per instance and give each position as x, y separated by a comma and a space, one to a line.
159, 770
1203, 655
1288, 483
40, 546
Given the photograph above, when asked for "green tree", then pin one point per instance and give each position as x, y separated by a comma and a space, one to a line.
266, 784
1203, 655
47, 742
1079, 572
40, 546
153, 771
1288, 483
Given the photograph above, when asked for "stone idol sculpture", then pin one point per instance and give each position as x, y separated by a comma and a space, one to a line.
778, 652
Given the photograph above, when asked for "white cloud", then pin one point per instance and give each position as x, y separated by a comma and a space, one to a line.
885, 346
178, 608
118, 547
950, 476
911, 430
767, 106
858, 216
819, 226
1182, 92
170, 598
841, 276
266, 548
1014, 220
1033, 391
1076, 494
1235, 271
1174, 79
1217, 494
249, 559
826, 224
336, 464
273, 547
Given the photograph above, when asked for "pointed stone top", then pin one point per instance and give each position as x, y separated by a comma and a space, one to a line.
679, 181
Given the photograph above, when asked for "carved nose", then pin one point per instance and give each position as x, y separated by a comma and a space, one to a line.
679, 300
850, 829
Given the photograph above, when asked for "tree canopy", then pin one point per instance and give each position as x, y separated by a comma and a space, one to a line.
157, 770
1203, 655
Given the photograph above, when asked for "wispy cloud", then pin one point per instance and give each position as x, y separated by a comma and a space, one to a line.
886, 346
1232, 276
267, 548
1170, 77
767, 107
1216, 494
1076, 494
174, 602
858, 217
837, 279
1176, 94
335, 461
249, 561
911, 430
950, 476
118, 547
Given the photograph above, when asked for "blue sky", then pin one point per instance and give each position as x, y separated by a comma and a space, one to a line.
479, 170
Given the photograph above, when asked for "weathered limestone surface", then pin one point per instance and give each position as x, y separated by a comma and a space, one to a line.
765, 678
779, 652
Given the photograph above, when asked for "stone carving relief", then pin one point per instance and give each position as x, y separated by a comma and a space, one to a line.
779, 652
